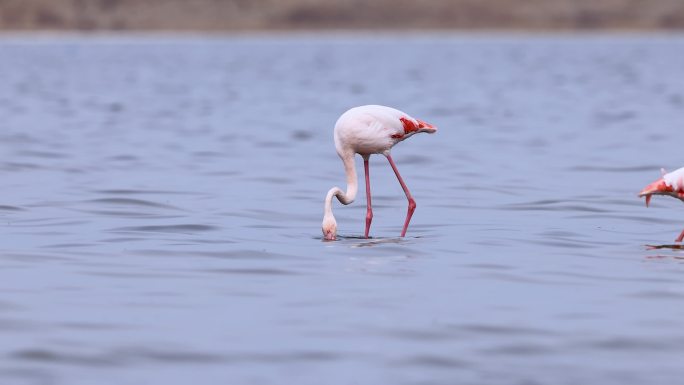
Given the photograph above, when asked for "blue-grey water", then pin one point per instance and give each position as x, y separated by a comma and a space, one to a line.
162, 197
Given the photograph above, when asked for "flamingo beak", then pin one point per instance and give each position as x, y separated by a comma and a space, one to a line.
426, 127
658, 187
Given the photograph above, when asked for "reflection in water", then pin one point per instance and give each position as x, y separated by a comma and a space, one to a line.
676, 246
360, 241
379, 241
162, 200
665, 257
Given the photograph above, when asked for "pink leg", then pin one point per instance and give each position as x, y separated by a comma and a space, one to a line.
369, 208
411, 201
680, 237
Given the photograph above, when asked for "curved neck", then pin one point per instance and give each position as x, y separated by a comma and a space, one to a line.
352, 185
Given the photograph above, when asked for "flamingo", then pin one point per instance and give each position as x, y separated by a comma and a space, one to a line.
368, 130
671, 184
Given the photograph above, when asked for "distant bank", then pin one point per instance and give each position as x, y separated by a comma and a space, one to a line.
229, 15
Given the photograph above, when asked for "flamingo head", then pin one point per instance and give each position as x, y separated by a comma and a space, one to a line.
658, 187
412, 127
329, 228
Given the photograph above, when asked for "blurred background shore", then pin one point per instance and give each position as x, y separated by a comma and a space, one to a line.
245, 15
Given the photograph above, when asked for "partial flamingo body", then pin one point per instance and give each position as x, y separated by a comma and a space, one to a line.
368, 130
671, 184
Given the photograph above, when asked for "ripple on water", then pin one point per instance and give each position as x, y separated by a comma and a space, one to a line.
129, 214
67, 245
41, 154
49, 223
32, 258
32, 376
562, 243
521, 349
553, 205
142, 191
626, 344
256, 271
122, 239
131, 202
222, 254
595, 278
180, 229
17, 325
602, 169
10, 208
431, 361
504, 330
127, 356
658, 295
19, 166
130, 208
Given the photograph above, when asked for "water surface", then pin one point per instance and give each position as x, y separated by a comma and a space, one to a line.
162, 200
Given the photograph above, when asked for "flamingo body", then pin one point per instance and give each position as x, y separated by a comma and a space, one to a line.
375, 129
671, 184
367, 130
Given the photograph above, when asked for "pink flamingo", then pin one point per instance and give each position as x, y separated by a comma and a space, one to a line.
671, 184
367, 130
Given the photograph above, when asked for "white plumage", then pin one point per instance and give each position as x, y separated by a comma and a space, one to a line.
675, 179
368, 130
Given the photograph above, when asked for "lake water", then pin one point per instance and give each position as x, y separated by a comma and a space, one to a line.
162, 198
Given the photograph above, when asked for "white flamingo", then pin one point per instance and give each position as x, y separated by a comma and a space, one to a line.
368, 130
671, 184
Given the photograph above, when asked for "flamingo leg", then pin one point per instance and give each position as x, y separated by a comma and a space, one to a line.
369, 208
411, 201
680, 237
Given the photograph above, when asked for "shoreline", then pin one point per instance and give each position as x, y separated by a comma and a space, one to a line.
341, 33
278, 15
